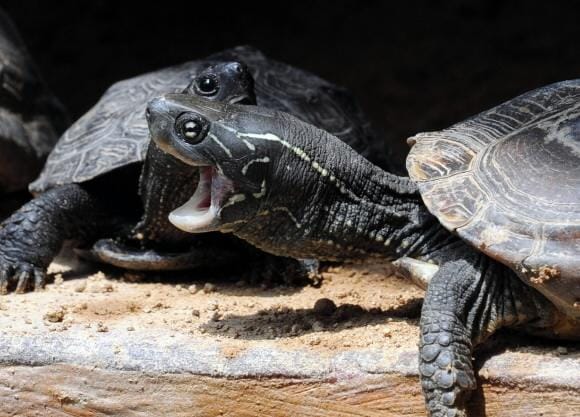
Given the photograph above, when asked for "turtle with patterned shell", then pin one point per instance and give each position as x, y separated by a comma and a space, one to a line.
109, 188
489, 217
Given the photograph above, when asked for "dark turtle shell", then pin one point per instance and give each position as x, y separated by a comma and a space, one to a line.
508, 182
114, 132
30, 117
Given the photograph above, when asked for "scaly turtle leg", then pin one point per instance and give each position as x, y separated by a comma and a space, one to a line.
33, 235
467, 301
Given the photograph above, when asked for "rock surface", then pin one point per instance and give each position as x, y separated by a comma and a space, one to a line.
107, 347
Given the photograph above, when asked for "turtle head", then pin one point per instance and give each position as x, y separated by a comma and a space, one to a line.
253, 167
217, 138
229, 82
281, 184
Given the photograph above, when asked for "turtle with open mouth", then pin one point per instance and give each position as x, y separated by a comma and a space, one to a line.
491, 211
110, 189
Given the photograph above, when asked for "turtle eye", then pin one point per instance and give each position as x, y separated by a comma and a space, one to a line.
191, 127
207, 85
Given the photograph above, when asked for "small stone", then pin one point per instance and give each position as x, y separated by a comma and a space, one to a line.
215, 316
209, 287
192, 289
101, 328
178, 287
562, 350
55, 316
324, 307
241, 283
213, 306
195, 313
81, 286
79, 307
130, 329
147, 310
132, 276
314, 341
58, 279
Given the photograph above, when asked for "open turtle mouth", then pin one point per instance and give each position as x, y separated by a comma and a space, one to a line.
201, 212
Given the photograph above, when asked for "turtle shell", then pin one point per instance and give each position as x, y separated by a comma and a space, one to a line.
114, 132
508, 182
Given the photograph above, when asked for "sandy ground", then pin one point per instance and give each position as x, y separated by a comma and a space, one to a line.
360, 306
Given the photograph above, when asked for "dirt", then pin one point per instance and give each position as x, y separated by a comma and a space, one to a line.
361, 306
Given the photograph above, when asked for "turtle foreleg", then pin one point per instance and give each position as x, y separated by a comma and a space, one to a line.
466, 302
34, 234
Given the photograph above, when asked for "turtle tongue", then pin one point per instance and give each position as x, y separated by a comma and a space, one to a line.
200, 212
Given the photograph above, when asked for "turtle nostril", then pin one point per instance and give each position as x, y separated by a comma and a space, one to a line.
148, 114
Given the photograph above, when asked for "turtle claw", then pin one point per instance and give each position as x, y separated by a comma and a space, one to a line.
4, 279
25, 277
39, 279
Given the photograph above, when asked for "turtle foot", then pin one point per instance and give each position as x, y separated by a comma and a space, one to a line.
20, 277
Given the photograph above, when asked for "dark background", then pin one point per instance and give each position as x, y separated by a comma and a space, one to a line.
414, 65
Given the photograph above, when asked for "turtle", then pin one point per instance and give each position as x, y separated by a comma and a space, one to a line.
106, 186
489, 216
31, 118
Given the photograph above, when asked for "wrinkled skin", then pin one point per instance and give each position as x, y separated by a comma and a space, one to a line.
294, 190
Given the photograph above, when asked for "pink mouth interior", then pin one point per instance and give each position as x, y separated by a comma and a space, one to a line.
201, 212
205, 179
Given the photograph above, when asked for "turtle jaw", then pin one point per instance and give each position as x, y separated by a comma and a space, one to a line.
201, 212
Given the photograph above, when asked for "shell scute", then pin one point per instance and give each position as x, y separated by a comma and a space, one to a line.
433, 159
518, 199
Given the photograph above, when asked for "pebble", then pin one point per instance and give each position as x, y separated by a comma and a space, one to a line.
562, 350
324, 307
81, 286
101, 328
314, 341
55, 316
209, 287
192, 289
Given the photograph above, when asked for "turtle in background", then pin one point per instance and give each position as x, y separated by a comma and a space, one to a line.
492, 207
109, 188
31, 118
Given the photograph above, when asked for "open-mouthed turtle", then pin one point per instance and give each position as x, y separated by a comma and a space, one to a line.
89, 189
492, 205
30, 117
